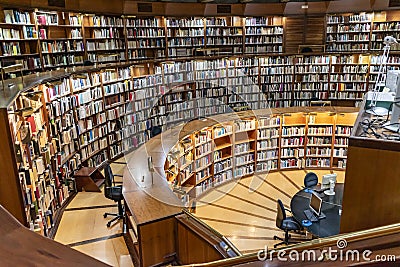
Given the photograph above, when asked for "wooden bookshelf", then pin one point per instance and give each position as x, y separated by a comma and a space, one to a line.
312, 139
184, 36
145, 37
268, 133
293, 140
348, 32
263, 35
311, 79
105, 38
348, 77
225, 35
47, 39
19, 36
276, 80
60, 39
43, 138
319, 140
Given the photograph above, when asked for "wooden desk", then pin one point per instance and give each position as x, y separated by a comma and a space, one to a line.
371, 193
150, 207
88, 179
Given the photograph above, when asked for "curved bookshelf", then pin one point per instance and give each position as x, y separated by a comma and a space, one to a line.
301, 138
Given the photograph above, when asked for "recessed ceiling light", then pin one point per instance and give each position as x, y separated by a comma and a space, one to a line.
304, 6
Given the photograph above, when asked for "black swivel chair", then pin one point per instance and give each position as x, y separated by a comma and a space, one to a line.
155, 130
113, 192
286, 224
310, 180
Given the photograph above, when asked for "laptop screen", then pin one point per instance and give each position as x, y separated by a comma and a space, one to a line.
315, 203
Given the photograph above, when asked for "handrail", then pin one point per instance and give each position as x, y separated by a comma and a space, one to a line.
313, 244
68, 71
215, 232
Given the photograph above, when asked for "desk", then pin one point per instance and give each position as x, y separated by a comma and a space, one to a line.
330, 207
88, 179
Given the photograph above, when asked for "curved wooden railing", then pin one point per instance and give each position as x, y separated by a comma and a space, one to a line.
229, 248
385, 239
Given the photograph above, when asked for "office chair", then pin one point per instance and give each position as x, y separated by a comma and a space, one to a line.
155, 130
310, 180
113, 192
286, 224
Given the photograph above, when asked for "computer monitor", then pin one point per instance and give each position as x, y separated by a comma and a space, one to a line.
315, 204
393, 125
392, 80
326, 180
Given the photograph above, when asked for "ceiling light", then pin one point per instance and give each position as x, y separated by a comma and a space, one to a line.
206, 1
304, 6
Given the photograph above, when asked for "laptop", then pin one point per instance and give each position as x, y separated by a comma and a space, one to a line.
314, 213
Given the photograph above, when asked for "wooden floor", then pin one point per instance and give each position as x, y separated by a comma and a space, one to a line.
83, 227
243, 211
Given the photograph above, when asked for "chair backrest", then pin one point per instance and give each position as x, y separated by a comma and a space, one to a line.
281, 215
155, 130
310, 180
108, 180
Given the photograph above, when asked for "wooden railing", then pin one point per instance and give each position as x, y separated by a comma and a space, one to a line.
230, 248
384, 239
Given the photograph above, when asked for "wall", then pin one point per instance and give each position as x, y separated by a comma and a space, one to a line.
199, 9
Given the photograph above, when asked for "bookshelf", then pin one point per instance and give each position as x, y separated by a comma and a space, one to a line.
213, 90
43, 135
184, 36
344, 123
319, 140
393, 63
385, 24
182, 165
245, 147
276, 79
63, 124
19, 38
283, 140
293, 141
263, 35
60, 39
103, 34
224, 34
311, 79
348, 77
145, 37
268, 133
48, 39
348, 32
245, 85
